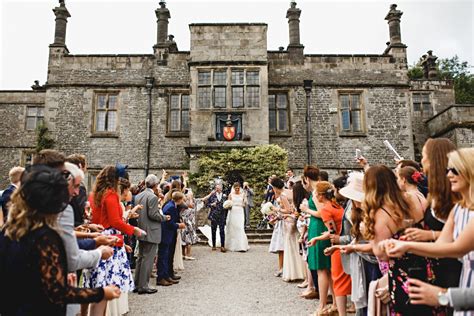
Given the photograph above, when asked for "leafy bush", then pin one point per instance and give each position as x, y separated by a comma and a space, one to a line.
254, 164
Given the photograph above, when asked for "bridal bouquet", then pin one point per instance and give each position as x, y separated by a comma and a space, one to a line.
267, 208
227, 204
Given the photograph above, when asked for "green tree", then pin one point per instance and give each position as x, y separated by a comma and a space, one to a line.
458, 71
43, 138
415, 72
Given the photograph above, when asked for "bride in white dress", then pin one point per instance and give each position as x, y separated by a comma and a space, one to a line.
235, 237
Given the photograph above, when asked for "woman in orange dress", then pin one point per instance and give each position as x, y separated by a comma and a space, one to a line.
332, 214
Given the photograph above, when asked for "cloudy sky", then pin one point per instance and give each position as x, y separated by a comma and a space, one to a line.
126, 26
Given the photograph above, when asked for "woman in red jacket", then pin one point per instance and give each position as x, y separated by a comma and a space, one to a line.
106, 211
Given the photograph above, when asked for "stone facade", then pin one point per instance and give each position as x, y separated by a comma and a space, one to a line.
379, 82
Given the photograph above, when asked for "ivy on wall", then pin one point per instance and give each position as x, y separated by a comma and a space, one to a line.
43, 138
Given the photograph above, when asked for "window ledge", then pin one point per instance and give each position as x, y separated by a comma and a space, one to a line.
177, 134
104, 135
352, 134
280, 134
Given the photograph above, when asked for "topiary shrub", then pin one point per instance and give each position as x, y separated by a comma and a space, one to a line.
254, 165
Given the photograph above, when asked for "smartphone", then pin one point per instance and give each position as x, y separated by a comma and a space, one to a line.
358, 153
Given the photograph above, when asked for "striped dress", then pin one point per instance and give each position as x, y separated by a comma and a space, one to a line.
462, 215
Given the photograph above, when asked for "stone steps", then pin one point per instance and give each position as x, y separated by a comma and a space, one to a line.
255, 236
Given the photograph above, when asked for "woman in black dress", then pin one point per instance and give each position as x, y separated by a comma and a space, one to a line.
33, 265
440, 203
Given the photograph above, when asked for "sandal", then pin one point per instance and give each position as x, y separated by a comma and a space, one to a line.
303, 285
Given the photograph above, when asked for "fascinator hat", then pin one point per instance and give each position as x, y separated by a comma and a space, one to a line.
44, 189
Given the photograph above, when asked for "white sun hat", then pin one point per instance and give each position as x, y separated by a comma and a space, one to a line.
354, 189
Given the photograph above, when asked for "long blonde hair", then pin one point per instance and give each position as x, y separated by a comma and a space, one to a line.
463, 161
23, 219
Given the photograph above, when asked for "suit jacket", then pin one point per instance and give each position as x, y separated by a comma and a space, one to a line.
462, 298
217, 213
150, 218
77, 259
6, 200
169, 228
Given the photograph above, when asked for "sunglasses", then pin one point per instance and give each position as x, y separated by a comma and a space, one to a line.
453, 170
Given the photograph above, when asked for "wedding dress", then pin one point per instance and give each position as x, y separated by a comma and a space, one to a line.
235, 237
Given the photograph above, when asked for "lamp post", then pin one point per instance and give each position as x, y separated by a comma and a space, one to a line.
149, 88
308, 86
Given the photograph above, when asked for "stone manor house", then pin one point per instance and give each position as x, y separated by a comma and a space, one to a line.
162, 110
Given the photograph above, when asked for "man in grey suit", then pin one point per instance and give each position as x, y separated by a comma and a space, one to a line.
150, 221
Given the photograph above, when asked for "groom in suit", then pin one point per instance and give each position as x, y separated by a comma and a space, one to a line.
217, 215
150, 221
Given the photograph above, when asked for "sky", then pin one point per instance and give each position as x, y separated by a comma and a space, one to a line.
129, 27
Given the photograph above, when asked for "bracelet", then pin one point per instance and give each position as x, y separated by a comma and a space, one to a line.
434, 236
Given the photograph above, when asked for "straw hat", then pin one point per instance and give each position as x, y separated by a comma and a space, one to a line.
354, 188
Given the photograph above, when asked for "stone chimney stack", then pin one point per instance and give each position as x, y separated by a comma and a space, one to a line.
393, 18
293, 15
395, 47
162, 15
428, 62
62, 14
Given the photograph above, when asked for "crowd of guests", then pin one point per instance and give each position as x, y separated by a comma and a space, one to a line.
381, 241
65, 251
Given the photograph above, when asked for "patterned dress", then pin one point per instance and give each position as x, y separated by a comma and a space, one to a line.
462, 215
113, 271
189, 235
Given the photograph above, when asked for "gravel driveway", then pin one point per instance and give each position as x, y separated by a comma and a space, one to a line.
225, 284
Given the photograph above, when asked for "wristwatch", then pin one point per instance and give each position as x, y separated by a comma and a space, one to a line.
443, 298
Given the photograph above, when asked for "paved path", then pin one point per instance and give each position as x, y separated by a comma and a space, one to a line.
226, 284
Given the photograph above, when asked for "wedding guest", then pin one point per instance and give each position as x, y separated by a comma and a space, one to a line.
455, 240
441, 200
356, 253
249, 193
300, 194
32, 229
269, 194
408, 179
277, 243
106, 211
15, 181
388, 211
150, 222
168, 241
317, 261
332, 214
293, 266
188, 236
78, 202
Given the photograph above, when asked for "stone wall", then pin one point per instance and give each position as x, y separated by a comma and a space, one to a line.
228, 42
441, 96
333, 150
14, 138
456, 123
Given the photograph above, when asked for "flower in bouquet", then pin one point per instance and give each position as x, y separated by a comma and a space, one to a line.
267, 208
227, 204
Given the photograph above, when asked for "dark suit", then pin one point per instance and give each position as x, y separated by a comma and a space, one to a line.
218, 217
6, 200
168, 241
150, 220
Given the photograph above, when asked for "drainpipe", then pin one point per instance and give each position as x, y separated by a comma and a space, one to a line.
308, 86
149, 88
